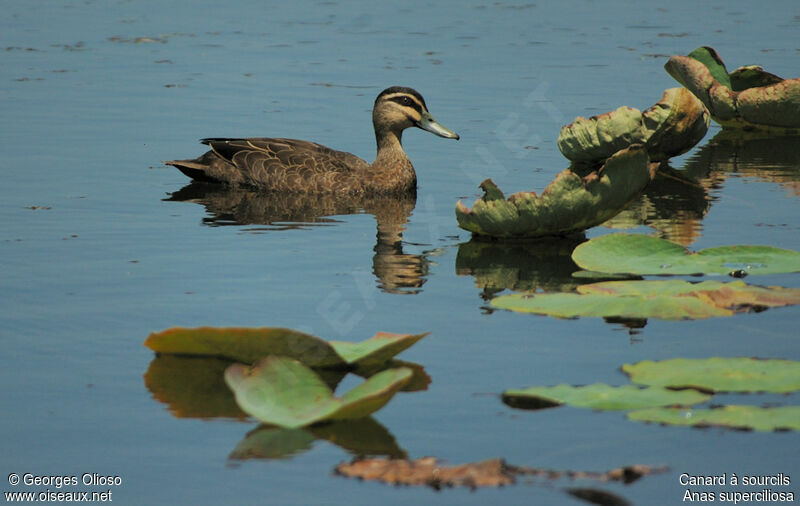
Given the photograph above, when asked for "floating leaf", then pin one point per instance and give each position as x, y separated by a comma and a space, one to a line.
666, 300
643, 255
378, 349
669, 128
487, 473
250, 344
245, 344
568, 205
718, 374
734, 417
599, 396
284, 392
194, 387
573, 305
749, 98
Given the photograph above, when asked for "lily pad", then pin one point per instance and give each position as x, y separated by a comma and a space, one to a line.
734, 417
250, 344
718, 374
669, 128
644, 255
666, 300
570, 204
282, 391
600, 396
378, 349
748, 98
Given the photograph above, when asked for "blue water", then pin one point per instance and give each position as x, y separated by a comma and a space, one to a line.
94, 256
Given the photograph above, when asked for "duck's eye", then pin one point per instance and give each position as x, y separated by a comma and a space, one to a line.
406, 101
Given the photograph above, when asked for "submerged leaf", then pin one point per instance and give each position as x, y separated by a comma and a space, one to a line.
250, 344
669, 128
284, 392
733, 417
666, 300
568, 205
643, 255
600, 396
718, 374
487, 473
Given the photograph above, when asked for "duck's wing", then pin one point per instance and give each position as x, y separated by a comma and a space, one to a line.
288, 164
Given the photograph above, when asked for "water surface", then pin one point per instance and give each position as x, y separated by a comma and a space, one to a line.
101, 244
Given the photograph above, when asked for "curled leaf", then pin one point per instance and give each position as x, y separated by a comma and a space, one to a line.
568, 205
748, 98
671, 127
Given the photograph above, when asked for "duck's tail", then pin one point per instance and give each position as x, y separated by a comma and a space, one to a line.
193, 169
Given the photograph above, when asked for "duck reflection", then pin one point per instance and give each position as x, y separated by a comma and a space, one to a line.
676, 202
396, 271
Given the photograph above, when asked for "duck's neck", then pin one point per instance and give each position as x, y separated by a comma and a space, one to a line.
391, 166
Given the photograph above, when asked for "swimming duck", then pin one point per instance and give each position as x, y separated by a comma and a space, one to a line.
289, 165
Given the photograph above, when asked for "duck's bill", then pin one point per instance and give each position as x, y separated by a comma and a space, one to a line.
431, 125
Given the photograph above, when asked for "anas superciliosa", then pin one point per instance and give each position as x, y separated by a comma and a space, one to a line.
289, 165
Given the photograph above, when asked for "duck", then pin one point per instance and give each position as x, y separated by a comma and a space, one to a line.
298, 166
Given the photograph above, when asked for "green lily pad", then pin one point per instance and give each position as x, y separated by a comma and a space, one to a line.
666, 300
749, 98
282, 391
600, 396
250, 344
570, 204
734, 417
644, 255
669, 128
378, 349
718, 374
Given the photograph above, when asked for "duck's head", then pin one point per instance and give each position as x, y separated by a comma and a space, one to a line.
398, 108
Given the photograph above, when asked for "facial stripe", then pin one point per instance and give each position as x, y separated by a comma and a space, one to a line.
406, 101
402, 90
